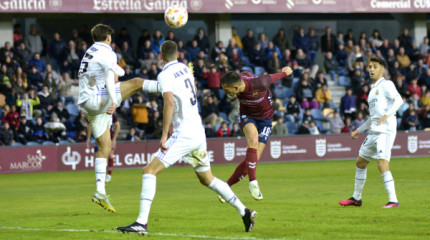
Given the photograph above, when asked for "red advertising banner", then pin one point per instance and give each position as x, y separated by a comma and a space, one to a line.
220, 151
28, 159
215, 6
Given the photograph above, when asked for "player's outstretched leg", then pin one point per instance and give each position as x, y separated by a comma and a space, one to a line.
222, 189
100, 196
130, 87
360, 179
254, 189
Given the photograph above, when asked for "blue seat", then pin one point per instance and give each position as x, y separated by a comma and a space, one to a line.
16, 144
291, 127
288, 92
317, 114
320, 126
48, 143
72, 109
32, 143
279, 91
64, 142
246, 68
258, 71
223, 116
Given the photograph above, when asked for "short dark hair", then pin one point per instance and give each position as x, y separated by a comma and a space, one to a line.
230, 78
169, 50
100, 32
379, 60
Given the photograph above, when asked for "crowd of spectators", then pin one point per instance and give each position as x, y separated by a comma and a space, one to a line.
38, 81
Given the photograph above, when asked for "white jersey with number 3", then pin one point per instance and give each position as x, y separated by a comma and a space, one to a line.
98, 59
177, 78
381, 98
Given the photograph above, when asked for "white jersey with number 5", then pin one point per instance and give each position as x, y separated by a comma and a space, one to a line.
98, 59
177, 78
382, 95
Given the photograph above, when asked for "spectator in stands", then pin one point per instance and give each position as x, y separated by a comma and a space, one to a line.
376, 38
17, 35
55, 74
171, 36
153, 71
319, 81
81, 123
61, 112
425, 78
336, 122
55, 128
424, 46
236, 131
209, 130
57, 51
144, 36
280, 40
33, 41
19, 86
411, 72
331, 65
193, 51
358, 121
73, 60
157, 40
143, 51
5, 80
279, 129
257, 55
46, 101
203, 40
405, 39
348, 105
25, 131
7, 51
415, 99
235, 60
413, 87
128, 55
301, 40
323, 96
425, 117
6, 134
248, 42
313, 46
349, 47
38, 63
293, 110
305, 63
305, 94
355, 58
219, 48
210, 113
122, 37
12, 117
139, 113
348, 126
426, 98
11, 97
128, 74
349, 36
274, 64
27, 104
23, 54
51, 84
40, 133
213, 78
132, 135
262, 39
236, 38
223, 130
328, 41
402, 58
202, 56
362, 94
412, 122
313, 128
270, 49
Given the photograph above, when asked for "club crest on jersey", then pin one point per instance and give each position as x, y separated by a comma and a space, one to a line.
255, 94
245, 120
412, 144
320, 147
275, 149
229, 151
377, 92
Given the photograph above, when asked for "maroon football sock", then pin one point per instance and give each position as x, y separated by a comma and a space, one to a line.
240, 172
251, 157
110, 166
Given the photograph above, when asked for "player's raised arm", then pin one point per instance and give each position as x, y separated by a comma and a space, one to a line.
285, 72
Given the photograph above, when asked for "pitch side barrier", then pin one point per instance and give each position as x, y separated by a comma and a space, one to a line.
76, 157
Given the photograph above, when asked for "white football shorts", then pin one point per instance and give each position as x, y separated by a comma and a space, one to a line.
377, 146
189, 149
95, 109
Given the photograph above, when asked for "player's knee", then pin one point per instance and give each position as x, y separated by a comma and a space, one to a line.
253, 143
361, 163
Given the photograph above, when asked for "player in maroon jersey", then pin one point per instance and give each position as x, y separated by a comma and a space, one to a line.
256, 112
114, 131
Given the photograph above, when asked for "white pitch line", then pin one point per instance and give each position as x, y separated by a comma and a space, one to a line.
158, 234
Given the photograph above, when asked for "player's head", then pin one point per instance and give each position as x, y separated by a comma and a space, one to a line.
231, 82
377, 68
101, 33
169, 51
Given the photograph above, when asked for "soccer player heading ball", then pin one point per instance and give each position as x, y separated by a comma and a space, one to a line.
384, 101
256, 113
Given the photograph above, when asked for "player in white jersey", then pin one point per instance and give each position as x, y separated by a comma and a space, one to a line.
384, 101
187, 142
99, 96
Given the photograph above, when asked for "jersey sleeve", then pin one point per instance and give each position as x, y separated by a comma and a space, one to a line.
390, 90
108, 61
165, 83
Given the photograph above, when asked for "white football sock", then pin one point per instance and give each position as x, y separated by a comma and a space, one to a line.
100, 168
149, 183
360, 179
225, 192
389, 186
151, 86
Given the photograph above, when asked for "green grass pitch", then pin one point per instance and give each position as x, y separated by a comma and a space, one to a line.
300, 202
